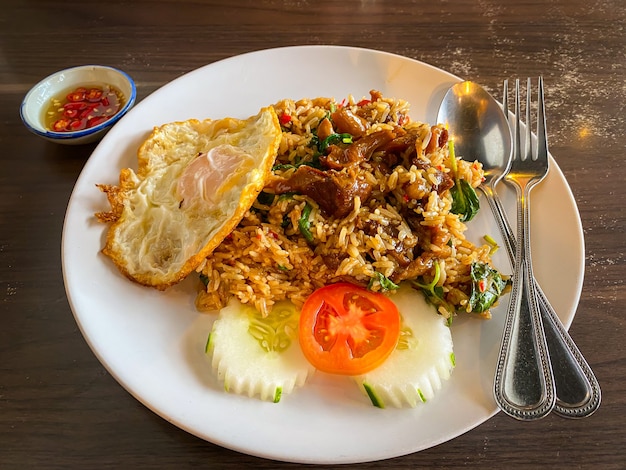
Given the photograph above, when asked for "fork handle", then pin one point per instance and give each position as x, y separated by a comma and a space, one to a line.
524, 384
521, 388
578, 393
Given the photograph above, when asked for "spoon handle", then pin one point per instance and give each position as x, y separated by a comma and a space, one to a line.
578, 393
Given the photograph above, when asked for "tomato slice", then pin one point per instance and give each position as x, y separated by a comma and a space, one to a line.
345, 329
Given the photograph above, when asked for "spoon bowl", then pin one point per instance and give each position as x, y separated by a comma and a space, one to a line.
479, 129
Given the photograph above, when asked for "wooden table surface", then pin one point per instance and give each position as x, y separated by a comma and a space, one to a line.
58, 405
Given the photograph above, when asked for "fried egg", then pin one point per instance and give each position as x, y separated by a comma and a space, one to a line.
194, 182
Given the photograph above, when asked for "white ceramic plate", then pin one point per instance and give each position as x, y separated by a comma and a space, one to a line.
153, 342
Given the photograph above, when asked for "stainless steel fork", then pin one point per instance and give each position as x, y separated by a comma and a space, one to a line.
578, 393
524, 383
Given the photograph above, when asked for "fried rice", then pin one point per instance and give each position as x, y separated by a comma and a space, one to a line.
401, 229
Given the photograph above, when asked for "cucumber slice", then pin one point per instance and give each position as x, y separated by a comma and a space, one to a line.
424, 357
258, 356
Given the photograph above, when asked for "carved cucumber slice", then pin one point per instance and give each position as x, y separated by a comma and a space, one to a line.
424, 357
258, 356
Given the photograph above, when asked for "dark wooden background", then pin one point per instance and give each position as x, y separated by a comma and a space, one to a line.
58, 406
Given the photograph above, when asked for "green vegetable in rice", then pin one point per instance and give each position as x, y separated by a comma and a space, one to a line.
435, 295
464, 198
265, 198
314, 162
492, 243
304, 224
334, 139
487, 287
385, 283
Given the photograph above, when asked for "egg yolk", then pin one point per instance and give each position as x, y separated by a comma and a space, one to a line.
211, 174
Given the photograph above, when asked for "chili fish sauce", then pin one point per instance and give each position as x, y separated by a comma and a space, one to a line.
83, 107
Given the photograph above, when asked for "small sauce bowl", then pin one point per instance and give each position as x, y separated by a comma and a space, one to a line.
38, 100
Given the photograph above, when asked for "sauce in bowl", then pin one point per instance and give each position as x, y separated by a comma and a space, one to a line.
83, 107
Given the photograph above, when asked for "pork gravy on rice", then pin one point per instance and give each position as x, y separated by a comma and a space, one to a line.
358, 193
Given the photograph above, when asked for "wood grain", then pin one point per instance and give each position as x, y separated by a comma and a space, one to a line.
59, 408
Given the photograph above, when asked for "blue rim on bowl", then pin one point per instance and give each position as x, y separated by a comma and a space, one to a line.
31, 115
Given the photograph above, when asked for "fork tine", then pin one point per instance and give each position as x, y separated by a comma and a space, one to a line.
517, 152
529, 128
505, 98
542, 132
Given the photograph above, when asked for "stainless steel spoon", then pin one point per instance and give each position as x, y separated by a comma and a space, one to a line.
480, 130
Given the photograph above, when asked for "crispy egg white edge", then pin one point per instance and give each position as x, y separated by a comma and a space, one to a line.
158, 169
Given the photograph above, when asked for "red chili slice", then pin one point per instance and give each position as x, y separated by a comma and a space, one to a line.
76, 125
93, 95
76, 96
60, 125
70, 113
95, 121
88, 110
75, 105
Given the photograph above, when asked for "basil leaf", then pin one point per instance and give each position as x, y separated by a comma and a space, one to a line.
265, 198
464, 200
487, 287
304, 224
334, 139
314, 162
384, 281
